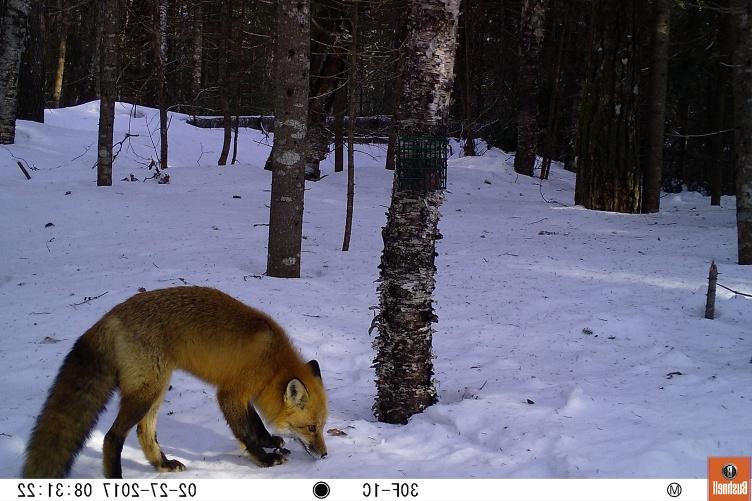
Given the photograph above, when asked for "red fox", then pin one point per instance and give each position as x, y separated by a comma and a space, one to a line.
136, 346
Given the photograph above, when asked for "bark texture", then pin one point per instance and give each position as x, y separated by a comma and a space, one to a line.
404, 369
608, 167
531, 39
107, 90
160, 67
353, 71
225, 72
657, 113
743, 119
197, 52
12, 35
327, 74
31, 99
288, 155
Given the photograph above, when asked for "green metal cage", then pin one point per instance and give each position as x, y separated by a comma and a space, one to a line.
421, 163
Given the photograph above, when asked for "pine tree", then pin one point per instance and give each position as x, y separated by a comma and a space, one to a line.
608, 166
743, 116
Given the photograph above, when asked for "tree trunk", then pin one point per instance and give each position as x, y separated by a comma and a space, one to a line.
351, 130
400, 27
160, 65
107, 90
464, 91
197, 52
404, 369
657, 114
11, 46
719, 108
224, 75
718, 114
327, 67
553, 119
531, 38
608, 169
743, 120
31, 99
339, 118
62, 48
291, 112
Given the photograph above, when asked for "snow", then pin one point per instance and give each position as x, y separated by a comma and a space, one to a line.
561, 332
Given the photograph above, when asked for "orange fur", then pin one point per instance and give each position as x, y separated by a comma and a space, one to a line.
136, 346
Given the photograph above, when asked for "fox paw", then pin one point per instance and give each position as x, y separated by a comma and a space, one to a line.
169, 465
273, 458
277, 442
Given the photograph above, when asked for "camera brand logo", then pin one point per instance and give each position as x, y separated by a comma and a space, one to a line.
729, 479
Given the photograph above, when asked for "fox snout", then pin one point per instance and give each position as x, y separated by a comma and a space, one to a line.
316, 448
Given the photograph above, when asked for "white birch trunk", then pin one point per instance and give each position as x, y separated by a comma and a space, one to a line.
404, 369
12, 34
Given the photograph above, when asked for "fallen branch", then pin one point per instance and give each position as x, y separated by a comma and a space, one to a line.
88, 299
23, 169
735, 292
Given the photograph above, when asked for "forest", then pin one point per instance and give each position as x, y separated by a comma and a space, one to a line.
515, 234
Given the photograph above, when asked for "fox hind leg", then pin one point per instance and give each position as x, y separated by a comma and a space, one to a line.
133, 408
147, 437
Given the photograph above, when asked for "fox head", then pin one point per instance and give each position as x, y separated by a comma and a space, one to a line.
304, 410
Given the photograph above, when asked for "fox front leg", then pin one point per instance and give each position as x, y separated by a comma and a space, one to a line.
265, 439
236, 414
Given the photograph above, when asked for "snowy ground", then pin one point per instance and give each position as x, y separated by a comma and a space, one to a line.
561, 337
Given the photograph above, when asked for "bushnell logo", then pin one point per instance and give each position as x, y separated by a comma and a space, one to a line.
729, 471
729, 479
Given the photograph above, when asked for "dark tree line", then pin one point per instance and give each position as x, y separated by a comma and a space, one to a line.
520, 74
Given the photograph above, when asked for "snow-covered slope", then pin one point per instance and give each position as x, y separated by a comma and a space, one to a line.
570, 343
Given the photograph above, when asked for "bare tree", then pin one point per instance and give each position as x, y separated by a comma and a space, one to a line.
226, 59
531, 38
31, 98
197, 49
159, 33
743, 117
351, 127
292, 57
12, 35
107, 90
64, 12
403, 363
657, 115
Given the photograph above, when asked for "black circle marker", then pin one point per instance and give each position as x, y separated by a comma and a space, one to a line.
321, 490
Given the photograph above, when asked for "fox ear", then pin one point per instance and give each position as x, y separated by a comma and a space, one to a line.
296, 394
314, 365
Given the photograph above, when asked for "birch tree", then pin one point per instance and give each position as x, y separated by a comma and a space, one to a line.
12, 35
404, 369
